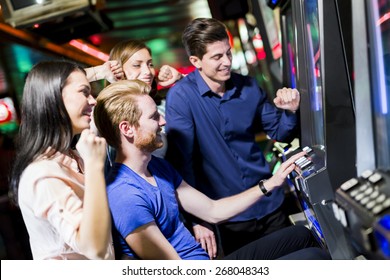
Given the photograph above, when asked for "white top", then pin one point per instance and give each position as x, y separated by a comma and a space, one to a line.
51, 200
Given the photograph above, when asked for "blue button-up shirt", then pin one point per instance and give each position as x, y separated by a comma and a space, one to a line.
211, 139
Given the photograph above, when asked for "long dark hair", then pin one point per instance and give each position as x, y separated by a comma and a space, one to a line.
44, 120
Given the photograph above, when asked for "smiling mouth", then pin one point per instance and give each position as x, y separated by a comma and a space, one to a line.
87, 114
147, 81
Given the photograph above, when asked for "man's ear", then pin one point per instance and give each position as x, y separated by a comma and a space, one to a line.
195, 61
126, 129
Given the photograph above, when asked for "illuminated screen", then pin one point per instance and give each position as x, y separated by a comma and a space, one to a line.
311, 26
271, 28
291, 52
8, 118
380, 57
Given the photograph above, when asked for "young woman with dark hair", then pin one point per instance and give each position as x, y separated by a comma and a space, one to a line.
59, 186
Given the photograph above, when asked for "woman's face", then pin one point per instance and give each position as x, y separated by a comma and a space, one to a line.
78, 101
140, 66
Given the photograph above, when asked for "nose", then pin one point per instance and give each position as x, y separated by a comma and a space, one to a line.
227, 60
91, 100
162, 121
147, 70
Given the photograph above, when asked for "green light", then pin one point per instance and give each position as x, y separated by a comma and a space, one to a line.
9, 127
22, 58
276, 167
158, 45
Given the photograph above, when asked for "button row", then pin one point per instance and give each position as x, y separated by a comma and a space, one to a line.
367, 195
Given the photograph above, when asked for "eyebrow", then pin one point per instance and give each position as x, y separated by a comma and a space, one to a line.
221, 53
153, 114
140, 60
85, 86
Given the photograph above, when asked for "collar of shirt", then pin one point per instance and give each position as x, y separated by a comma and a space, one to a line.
204, 89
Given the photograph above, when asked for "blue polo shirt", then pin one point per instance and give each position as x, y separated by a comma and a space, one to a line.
134, 202
212, 138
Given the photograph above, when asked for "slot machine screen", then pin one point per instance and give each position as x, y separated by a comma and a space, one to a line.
291, 52
380, 65
315, 90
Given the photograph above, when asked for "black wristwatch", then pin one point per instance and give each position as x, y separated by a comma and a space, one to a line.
263, 189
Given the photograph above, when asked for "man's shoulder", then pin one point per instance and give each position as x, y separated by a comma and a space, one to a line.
119, 178
187, 83
184, 92
124, 190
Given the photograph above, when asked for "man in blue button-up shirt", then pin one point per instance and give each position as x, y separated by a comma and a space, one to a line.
212, 118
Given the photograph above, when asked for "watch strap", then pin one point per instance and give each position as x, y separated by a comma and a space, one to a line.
263, 189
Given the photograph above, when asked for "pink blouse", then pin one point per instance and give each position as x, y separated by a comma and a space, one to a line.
51, 200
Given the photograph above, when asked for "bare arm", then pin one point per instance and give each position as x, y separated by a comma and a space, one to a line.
215, 211
94, 233
149, 243
110, 70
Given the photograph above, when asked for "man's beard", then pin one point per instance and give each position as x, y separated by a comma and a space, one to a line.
149, 142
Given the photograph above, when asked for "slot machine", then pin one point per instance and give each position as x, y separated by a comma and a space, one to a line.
362, 204
315, 61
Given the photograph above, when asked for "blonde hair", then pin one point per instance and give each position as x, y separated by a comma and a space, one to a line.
116, 103
122, 51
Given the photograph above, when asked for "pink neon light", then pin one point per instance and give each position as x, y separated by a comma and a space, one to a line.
89, 50
383, 18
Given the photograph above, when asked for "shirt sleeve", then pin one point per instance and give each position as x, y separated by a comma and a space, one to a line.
277, 124
55, 201
180, 132
130, 208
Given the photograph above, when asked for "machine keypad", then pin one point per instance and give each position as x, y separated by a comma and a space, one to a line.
367, 192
